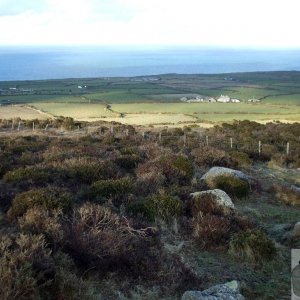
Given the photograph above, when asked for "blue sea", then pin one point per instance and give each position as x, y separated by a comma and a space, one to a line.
26, 63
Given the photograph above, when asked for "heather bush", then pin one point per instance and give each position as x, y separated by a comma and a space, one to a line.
211, 231
46, 221
239, 159
164, 206
111, 188
205, 204
253, 246
26, 267
210, 156
177, 169
128, 161
33, 175
149, 182
233, 186
96, 236
48, 198
88, 170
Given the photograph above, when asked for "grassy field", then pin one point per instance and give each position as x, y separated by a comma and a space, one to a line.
148, 113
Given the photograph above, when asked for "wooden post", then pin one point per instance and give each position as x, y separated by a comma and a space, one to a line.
159, 137
287, 148
184, 139
46, 127
12, 125
112, 130
127, 132
143, 134
33, 126
19, 125
259, 147
231, 143
207, 140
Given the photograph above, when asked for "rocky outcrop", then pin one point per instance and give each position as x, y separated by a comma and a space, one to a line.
227, 291
218, 197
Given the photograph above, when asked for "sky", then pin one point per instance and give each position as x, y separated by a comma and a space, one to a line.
225, 23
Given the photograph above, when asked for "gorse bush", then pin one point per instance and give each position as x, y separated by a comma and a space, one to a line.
253, 246
48, 198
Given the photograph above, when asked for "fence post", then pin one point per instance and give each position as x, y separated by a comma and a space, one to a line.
287, 148
259, 147
33, 126
207, 140
12, 125
159, 137
46, 127
184, 139
19, 125
127, 132
231, 143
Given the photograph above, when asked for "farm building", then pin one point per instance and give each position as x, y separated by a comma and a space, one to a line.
224, 99
254, 100
234, 100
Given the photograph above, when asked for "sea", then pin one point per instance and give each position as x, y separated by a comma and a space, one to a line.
57, 62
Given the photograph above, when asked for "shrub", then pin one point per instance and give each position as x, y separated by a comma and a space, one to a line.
150, 182
48, 198
127, 162
205, 204
176, 168
111, 188
87, 170
40, 220
253, 246
233, 186
164, 206
211, 231
32, 174
239, 159
287, 195
25, 267
97, 235
141, 209
210, 156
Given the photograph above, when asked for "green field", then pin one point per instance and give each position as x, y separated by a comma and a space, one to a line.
279, 93
270, 87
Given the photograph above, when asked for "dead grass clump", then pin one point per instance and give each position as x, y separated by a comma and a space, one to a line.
210, 156
287, 195
253, 246
211, 231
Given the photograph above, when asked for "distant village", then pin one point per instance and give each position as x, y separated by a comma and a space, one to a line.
221, 99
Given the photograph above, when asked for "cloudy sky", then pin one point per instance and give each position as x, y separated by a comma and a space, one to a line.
232, 23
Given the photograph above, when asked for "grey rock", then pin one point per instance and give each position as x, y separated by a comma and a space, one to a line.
221, 171
296, 230
219, 197
227, 291
296, 189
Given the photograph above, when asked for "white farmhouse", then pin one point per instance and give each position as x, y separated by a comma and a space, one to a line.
224, 99
234, 100
254, 100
